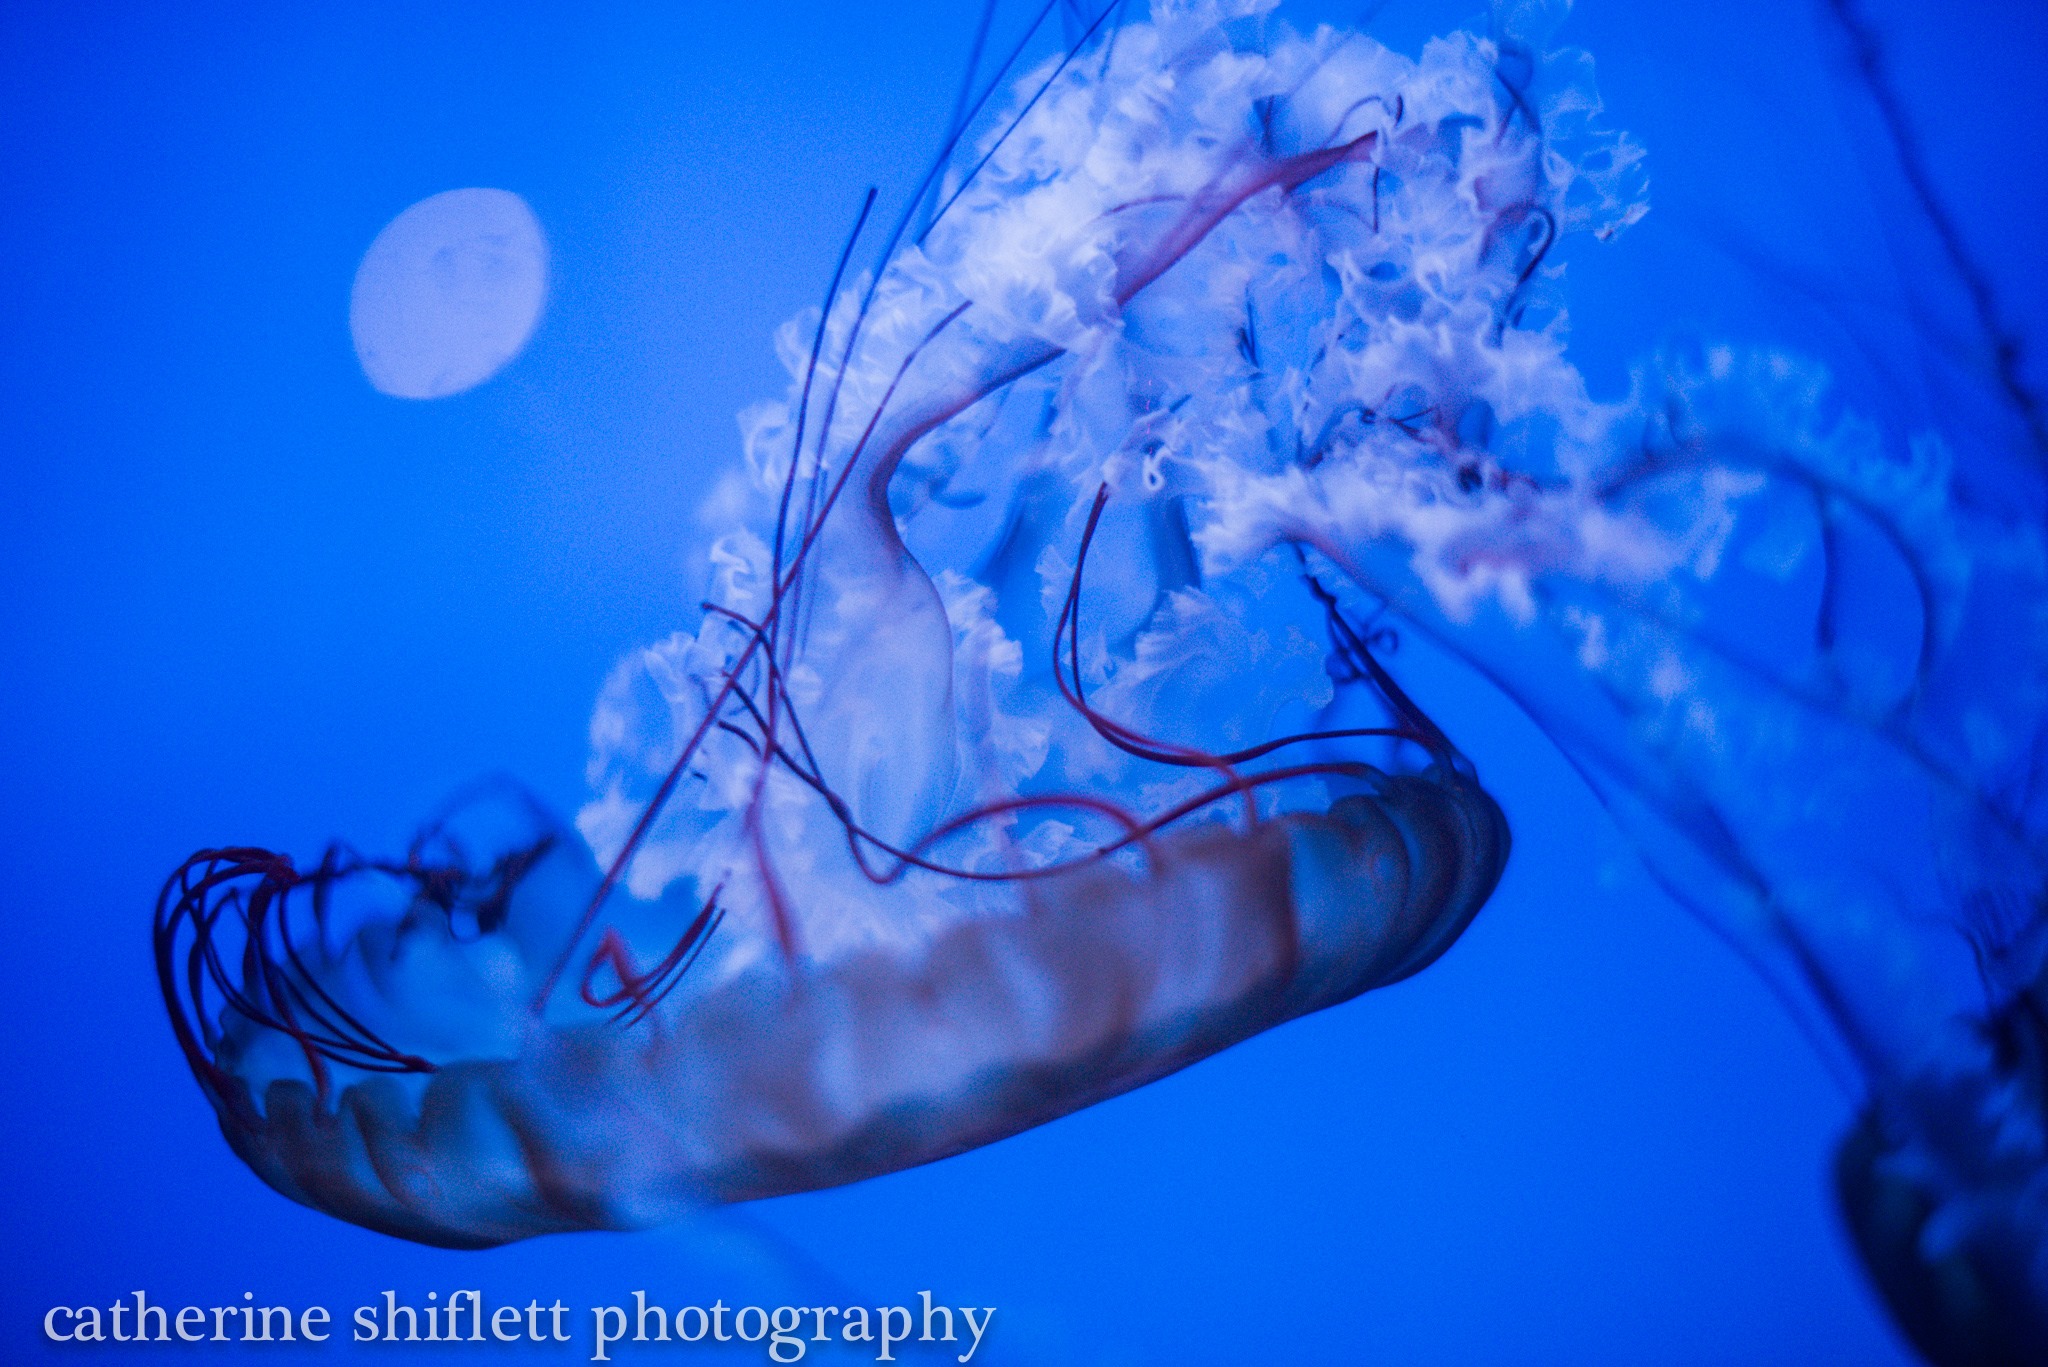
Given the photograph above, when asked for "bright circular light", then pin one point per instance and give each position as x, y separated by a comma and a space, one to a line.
449, 293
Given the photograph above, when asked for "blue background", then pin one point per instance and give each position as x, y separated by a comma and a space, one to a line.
247, 599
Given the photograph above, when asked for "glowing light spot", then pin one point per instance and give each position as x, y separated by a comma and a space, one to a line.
449, 293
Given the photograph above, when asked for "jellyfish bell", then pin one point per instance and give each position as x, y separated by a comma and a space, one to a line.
470, 1123
448, 293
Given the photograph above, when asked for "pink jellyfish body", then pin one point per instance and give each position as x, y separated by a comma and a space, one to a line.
1014, 762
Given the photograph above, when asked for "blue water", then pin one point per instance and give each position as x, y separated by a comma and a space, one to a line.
249, 599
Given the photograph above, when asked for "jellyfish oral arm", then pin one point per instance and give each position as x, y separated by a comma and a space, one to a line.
885, 441
1138, 265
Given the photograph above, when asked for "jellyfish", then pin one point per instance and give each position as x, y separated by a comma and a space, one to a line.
1040, 731
972, 797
